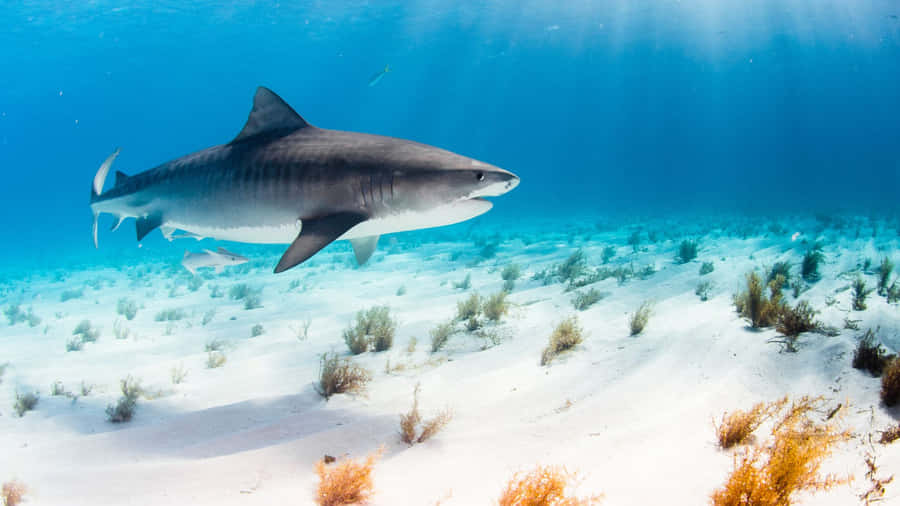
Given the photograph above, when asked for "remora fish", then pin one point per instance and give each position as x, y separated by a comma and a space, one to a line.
282, 180
218, 260
378, 76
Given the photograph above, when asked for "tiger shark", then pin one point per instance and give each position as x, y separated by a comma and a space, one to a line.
285, 181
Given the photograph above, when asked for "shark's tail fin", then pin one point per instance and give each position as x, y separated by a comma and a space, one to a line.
97, 188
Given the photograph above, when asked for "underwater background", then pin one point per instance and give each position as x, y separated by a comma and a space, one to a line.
601, 107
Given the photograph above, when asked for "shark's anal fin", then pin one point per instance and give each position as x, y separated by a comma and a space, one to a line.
270, 115
315, 234
364, 247
146, 224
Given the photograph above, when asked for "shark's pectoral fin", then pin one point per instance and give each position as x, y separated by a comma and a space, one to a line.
364, 247
219, 269
315, 234
146, 224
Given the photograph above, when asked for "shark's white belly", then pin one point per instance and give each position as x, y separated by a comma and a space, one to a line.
397, 222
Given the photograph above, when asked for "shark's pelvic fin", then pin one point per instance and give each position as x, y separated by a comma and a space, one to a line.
146, 224
270, 115
314, 235
117, 224
364, 247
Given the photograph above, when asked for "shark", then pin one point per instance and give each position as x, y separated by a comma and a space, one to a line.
218, 260
282, 180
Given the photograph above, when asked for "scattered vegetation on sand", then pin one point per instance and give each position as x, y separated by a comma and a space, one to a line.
468, 310
782, 269
252, 301
884, 276
170, 315
860, 293
870, 355
793, 321
411, 423
127, 308
347, 481
257, 330
639, 318
86, 332
120, 331
373, 329
178, 373
57, 388
567, 335
465, 284
890, 435
608, 253
510, 274
14, 314
240, 291
337, 376
703, 289
123, 409
890, 383
584, 300
215, 359
25, 402
737, 426
71, 294
809, 268
544, 486
401, 291
495, 306
208, 316
752, 304
573, 267
772, 474
687, 251
441, 334
214, 345
13, 492
634, 240
706, 268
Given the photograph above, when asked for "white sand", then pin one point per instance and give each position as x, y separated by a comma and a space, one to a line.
633, 415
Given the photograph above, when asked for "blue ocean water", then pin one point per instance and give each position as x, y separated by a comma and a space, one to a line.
642, 107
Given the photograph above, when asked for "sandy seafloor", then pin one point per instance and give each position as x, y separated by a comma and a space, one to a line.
632, 415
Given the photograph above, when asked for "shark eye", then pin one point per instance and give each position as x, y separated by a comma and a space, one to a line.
480, 176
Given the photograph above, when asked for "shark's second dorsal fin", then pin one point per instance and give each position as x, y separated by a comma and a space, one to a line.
270, 115
120, 177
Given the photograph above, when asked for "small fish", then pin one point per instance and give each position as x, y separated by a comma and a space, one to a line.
217, 260
378, 76
795, 236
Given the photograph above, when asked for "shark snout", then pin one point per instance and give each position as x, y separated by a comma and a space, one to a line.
497, 182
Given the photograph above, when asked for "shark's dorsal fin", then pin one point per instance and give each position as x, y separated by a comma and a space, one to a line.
270, 115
